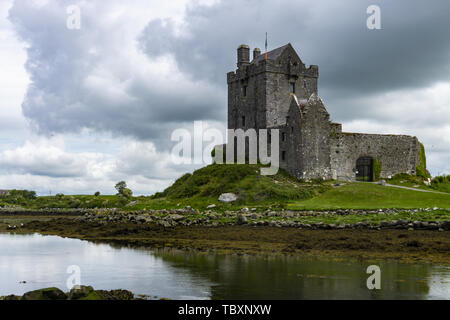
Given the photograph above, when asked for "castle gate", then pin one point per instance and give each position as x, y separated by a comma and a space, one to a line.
364, 169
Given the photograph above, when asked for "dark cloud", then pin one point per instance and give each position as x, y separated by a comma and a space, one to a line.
89, 78
410, 51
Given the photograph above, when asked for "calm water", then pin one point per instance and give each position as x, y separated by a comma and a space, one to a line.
42, 261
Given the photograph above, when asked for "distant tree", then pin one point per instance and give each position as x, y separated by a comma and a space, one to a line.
123, 192
22, 194
97, 193
60, 195
127, 193
120, 186
30, 195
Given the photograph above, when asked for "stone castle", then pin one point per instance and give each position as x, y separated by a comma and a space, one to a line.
277, 91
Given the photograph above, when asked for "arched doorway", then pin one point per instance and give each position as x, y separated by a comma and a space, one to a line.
364, 169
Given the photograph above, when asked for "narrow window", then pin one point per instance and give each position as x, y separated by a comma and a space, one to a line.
283, 136
292, 87
292, 129
283, 155
244, 91
269, 138
243, 121
304, 84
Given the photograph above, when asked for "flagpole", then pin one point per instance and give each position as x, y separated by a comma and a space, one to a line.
266, 47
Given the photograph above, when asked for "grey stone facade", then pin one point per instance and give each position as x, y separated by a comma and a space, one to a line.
280, 92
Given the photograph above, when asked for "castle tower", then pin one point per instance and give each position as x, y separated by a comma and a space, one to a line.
259, 91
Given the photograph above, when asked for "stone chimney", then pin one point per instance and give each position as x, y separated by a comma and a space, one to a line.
256, 53
243, 55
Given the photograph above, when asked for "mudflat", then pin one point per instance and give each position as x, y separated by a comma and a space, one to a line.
413, 246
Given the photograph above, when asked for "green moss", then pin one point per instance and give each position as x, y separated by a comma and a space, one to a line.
377, 167
421, 169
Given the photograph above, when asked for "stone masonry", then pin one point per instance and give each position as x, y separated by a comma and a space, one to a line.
280, 92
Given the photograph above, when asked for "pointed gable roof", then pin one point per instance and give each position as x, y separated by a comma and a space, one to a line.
271, 55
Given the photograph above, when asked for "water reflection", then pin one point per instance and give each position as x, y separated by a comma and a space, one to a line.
42, 261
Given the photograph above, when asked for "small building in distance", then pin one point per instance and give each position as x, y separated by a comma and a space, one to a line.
5, 193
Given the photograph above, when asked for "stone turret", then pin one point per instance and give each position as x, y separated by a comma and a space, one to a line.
243, 55
256, 53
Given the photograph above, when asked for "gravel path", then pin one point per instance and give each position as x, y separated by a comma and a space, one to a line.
415, 189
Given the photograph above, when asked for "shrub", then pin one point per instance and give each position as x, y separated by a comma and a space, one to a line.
421, 169
377, 167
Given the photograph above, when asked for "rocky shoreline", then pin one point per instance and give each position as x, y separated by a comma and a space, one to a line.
77, 293
292, 219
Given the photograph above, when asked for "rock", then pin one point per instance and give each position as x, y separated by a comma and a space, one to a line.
164, 224
115, 295
45, 294
244, 210
242, 219
133, 203
445, 225
141, 219
227, 197
83, 293
176, 217
211, 206
382, 182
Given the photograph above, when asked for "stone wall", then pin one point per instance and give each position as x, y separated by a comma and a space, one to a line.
397, 153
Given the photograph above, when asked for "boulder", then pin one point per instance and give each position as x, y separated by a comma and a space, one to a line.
211, 206
227, 197
176, 217
83, 293
45, 294
241, 219
445, 225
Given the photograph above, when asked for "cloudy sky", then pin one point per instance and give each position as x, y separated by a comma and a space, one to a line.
81, 109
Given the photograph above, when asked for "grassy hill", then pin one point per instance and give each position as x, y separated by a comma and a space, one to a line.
205, 185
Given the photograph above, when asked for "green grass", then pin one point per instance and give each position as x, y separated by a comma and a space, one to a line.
440, 183
65, 202
371, 196
204, 186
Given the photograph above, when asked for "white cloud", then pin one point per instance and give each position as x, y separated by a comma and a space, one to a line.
113, 106
424, 113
